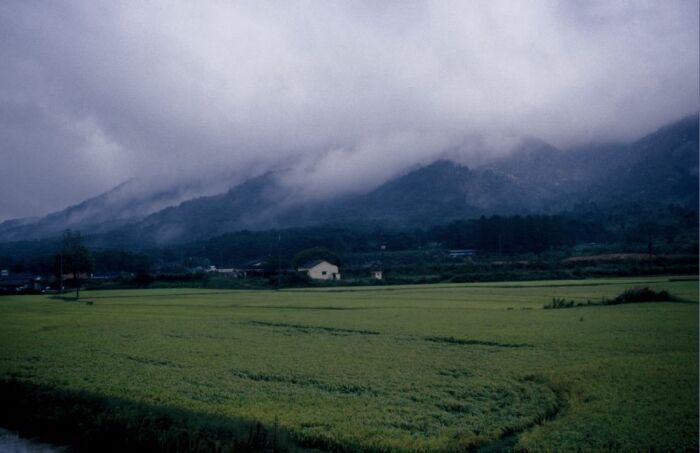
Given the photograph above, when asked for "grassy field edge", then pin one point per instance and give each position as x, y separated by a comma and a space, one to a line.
84, 421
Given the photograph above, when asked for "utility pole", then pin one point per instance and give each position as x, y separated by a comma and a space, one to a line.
381, 260
279, 261
60, 273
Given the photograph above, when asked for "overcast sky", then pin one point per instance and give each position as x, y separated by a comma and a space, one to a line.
346, 94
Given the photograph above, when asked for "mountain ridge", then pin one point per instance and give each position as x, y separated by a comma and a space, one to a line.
661, 168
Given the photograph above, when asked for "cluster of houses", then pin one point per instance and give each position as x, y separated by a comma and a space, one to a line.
20, 283
316, 270
12, 283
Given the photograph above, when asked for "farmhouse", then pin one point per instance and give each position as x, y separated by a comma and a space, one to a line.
81, 275
320, 270
375, 269
461, 253
17, 283
220, 270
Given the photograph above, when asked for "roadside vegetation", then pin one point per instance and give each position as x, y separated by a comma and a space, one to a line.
89, 422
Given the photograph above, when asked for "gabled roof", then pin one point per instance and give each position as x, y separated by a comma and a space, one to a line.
254, 264
309, 264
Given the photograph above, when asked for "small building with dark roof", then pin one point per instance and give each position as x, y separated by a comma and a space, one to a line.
19, 283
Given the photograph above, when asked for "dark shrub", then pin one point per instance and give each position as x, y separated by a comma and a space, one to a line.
143, 279
560, 303
630, 296
636, 295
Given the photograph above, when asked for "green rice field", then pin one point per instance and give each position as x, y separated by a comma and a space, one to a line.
397, 368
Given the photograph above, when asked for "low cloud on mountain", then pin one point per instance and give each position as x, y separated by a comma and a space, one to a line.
343, 94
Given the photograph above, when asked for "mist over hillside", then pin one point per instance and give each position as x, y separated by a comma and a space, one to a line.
659, 169
130, 201
339, 97
308, 225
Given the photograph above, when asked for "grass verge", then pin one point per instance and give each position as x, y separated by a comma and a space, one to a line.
86, 422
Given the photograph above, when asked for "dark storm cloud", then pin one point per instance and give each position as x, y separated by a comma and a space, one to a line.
344, 94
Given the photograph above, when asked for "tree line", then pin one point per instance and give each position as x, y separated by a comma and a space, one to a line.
506, 235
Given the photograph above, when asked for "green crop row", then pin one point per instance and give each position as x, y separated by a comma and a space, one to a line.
445, 367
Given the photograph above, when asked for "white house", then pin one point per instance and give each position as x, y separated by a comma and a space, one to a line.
320, 270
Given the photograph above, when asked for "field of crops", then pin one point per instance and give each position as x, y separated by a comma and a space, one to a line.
432, 367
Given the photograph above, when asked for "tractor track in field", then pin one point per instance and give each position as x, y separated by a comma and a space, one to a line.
509, 438
470, 342
313, 329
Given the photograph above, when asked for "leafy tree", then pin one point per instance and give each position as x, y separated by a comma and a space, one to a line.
74, 258
121, 261
143, 279
315, 253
